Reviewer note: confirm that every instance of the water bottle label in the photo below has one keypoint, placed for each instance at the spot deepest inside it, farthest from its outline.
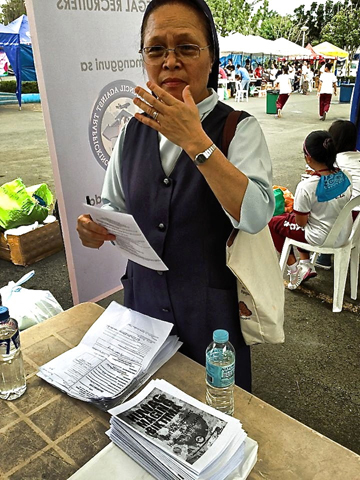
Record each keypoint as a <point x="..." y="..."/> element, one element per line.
<point x="8" y="344"/>
<point x="220" y="376"/>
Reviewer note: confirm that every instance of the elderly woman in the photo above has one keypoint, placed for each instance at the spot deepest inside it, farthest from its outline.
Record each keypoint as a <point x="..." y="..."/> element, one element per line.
<point x="168" y="171"/>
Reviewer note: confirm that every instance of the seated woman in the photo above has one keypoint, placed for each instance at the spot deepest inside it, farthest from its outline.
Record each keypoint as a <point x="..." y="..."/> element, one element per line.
<point x="318" y="201"/>
<point x="344" y="135"/>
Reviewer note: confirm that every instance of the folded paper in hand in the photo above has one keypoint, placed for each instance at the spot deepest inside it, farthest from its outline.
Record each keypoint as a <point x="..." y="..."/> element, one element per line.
<point x="130" y="240"/>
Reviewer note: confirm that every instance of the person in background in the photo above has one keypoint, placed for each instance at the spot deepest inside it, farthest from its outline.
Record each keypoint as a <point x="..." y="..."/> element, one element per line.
<point x="229" y="68"/>
<point x="318" y="201"/>
<point x="258" y="74"/>
<point x="310" y="76"/>
<point x="222" y="73"/>
<point x="344" y="135"/>
<point x="168" y="171"/>
<point x="291" y="74"/>
<point x="327" y="86"/>
<point x="316" y="79"/>
<point x="245" y="78"/>
<point x="230" y="71"/>
<point x="304" y="85"/>
<point x="273" y="73"/>
<point x="296" y="85"/>
<point x="284" y="84"/>
<point x="248" y="65"/>
<point x="305" y="80"/>
<point x="258" y="71"/>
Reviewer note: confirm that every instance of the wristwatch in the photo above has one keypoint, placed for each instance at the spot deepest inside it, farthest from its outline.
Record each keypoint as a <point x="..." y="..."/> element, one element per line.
<point x="201" y="158"/>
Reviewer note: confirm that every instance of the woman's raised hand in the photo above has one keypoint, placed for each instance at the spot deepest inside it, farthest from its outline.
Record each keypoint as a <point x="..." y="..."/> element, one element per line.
<point x="91" y="234"/>
<point x="178" y="121"/>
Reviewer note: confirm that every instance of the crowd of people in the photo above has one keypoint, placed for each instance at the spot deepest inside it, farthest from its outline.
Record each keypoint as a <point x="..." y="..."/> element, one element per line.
<point x="288" y="77"/>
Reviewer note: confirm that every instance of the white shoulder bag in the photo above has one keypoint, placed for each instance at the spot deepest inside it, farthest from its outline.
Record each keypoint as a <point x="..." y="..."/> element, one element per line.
<point x="253" y="260"/>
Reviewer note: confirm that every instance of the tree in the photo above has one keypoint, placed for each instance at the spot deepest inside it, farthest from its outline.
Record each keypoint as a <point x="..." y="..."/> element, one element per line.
<point x="11" y="10"/>
<point x="277" y="26"/>
<point x="259" y="16"/>
<point x="343" y="30"/>
<point x="317" y="16"/>
<point x="231" y="15"/>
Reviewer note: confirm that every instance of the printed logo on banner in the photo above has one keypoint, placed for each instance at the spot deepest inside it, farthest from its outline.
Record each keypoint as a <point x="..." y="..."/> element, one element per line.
<point x="113" y="109"/>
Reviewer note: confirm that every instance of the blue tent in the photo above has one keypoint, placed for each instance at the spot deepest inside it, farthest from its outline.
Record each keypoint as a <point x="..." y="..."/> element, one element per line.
<point x="355" y="107"/>
<point x="16" y="42"/>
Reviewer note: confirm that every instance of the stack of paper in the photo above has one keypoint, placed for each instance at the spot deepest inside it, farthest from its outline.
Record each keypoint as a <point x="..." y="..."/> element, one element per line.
<point x="174" y="436"/>
<point x="121" y="350"/>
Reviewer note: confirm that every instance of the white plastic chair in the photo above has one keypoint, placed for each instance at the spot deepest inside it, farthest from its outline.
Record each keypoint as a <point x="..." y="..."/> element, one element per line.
<point x="240" y="94"/>
<point x="342" y="255"/>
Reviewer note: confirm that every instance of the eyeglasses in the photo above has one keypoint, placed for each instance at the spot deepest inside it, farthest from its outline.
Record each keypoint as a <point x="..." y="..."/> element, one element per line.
<point x="155" y="55"/>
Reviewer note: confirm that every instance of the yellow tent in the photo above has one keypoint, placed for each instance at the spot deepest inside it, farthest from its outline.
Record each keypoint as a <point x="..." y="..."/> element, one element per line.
<point x="329" y="50"/>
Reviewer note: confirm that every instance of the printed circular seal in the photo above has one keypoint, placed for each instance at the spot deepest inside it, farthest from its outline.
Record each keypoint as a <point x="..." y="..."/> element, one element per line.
<point x="112" y="110"/>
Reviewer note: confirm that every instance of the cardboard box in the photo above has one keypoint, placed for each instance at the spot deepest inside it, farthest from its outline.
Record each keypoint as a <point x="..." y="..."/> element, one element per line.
<point x="32" y="246"/>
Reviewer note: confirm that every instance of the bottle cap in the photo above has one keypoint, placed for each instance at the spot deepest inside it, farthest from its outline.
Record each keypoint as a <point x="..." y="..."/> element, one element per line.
<point x="4" y="313"/>
<point x="220" y="336"/>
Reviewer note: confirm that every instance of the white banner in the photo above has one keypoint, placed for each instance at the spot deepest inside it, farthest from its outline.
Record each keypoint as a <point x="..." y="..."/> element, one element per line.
<point x="87" y="63"/>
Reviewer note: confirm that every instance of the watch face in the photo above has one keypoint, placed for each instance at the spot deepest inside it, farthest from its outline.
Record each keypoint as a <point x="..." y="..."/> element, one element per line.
<point x="200" y="158"/>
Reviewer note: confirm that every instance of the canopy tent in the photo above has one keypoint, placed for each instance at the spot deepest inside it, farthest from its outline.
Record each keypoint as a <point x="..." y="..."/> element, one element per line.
<point x="253" y="44"/>
<point x="16" y="42"/>
<point x="231" y="44"/>
<point x="329" y="50"/>
<point x="313" y="54"/>
<point x="282" y="46"/>
<point x="250" y="44"/>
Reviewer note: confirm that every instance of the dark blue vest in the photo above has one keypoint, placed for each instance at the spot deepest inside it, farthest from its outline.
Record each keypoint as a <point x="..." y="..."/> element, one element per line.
<point x="185" y="224"/>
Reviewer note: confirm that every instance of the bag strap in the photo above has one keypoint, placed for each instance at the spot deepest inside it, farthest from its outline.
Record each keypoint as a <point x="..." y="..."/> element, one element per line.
<point x="232" y="121"/>
<point x="234" y="117"/>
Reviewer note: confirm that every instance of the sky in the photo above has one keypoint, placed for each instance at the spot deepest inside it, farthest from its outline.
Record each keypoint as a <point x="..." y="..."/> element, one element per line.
<point x="285" y="7"/>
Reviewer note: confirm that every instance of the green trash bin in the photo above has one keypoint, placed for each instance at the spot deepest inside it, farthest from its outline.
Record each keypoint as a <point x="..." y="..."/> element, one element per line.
<point x="271" y="97"/>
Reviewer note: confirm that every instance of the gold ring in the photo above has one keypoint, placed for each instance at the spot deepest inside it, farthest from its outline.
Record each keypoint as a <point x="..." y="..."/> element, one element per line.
<point x="155" y="115"/>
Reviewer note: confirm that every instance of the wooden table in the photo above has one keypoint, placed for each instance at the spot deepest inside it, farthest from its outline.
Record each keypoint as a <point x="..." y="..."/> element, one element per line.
<point x="47" y="435"/>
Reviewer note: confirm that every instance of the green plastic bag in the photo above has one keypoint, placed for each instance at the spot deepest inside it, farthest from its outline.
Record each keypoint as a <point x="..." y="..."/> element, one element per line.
<point x="42" y="194"/>
<point x="19" y="207"/>
<point x="279" y="202"/>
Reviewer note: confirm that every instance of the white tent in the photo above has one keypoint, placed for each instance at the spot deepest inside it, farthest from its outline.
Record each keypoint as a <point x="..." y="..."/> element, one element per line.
<point x="284" y="47"/>
<point x="238" y="43"/>
<point x="231" y="44"/>
<point x="253" y="44"/>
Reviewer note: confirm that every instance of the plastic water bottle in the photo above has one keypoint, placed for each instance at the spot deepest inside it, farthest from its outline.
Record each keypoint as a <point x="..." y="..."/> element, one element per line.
<point x="220" y="373"/>
<point x="12" y="374"/>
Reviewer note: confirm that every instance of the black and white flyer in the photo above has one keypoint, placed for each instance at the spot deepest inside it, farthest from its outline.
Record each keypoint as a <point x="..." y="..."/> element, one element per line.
<point x="173" y="435"/>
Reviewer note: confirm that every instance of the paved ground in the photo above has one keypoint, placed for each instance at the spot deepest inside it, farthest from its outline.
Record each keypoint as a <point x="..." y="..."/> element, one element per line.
<point x="314" y="376"/>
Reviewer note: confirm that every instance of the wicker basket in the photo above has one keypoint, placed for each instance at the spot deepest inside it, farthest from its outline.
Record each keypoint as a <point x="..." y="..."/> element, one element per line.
<point x="32" y="246"/>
